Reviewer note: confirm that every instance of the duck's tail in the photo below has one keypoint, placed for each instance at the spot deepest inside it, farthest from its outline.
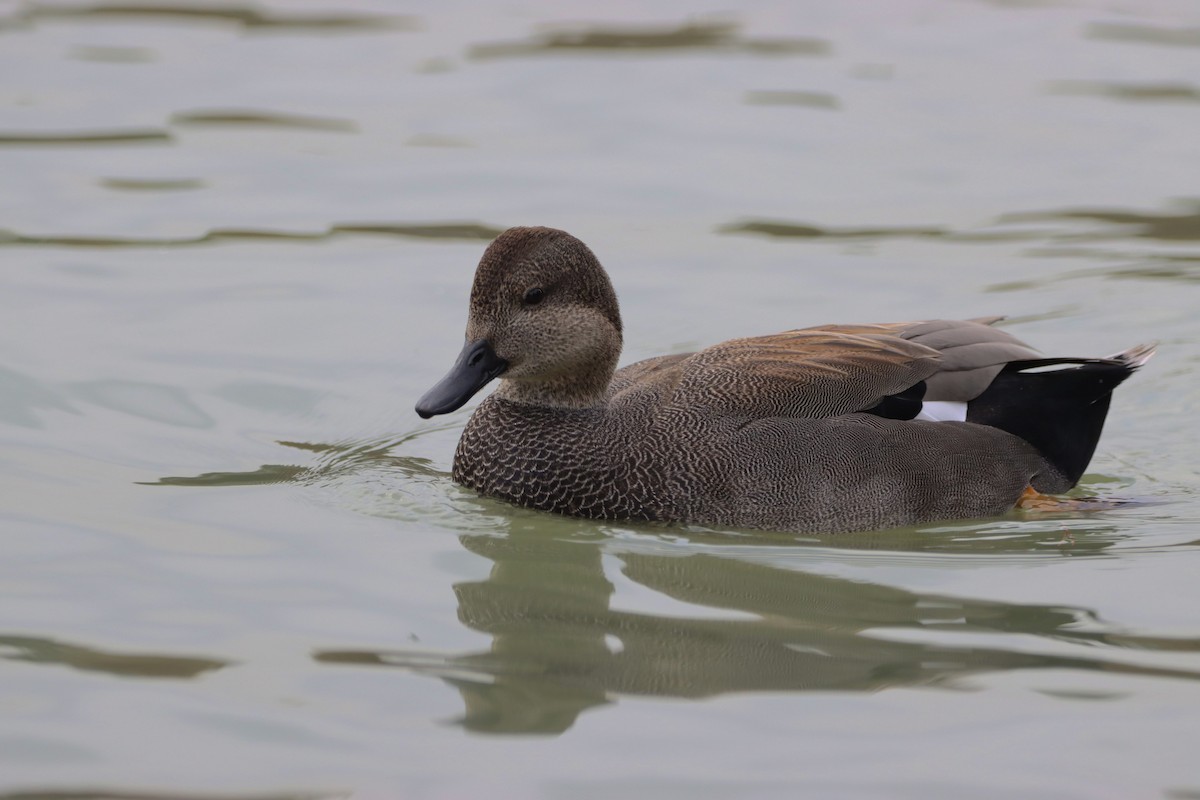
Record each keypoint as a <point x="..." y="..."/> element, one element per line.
<point x="1058" y="405"/>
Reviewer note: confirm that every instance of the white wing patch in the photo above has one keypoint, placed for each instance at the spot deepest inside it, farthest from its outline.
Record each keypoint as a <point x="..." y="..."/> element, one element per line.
<point x="943" y="411"/>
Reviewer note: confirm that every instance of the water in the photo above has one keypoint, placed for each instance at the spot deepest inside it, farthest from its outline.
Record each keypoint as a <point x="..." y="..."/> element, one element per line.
<point x="237" y="245"/>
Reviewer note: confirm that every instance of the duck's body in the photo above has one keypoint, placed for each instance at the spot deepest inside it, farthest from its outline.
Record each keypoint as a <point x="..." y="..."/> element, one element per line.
<point x="851" y="472"/>
<point x="809" y="430"/>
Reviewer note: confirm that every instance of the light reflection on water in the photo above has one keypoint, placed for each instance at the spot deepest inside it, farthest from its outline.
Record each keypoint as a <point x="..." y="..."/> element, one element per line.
<point x="237" y="244"/>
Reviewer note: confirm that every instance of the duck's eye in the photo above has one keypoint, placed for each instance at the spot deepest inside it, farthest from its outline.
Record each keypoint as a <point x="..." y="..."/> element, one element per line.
<point x="534" y="296"/>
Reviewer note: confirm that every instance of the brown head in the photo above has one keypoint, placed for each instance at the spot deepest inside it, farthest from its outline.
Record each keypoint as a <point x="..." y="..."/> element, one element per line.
<point x="544" y="317"/>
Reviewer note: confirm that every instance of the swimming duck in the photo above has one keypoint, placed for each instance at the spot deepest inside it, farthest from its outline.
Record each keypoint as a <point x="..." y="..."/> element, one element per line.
<point x="821" y="430"/>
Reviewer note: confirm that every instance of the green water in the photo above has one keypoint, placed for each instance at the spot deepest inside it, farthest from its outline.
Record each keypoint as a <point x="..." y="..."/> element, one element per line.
<point x="235" y="247"/>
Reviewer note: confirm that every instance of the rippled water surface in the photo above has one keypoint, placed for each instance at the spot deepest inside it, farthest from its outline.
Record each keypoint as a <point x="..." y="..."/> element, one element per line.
<point x="235" y="247"/>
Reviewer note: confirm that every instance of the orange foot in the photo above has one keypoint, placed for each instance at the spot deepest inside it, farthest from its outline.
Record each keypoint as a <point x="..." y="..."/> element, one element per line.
<point x="1033" y="500"/>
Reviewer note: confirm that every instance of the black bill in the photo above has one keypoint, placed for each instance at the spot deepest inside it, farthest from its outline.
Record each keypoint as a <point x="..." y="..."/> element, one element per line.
<point x="476" y="365"/>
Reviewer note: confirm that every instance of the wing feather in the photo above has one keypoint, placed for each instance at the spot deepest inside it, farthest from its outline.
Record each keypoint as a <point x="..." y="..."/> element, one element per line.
<point x="973" y="353"/>
<point x="827" y="370"/>
<point x="802" y="373"/>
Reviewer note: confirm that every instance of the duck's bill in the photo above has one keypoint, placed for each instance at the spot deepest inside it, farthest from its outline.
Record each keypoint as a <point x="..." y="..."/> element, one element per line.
<point x="477" y="364"/>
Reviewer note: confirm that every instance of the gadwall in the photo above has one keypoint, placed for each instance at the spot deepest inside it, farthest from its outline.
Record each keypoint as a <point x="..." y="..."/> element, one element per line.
<point x="825" y="429"/>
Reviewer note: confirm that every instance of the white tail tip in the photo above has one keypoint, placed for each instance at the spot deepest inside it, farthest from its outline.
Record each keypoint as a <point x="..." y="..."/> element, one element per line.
<point x="1137" y="355"/>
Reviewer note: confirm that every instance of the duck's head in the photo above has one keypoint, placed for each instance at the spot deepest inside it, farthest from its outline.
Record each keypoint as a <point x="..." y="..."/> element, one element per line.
<point x="543" y="317"/>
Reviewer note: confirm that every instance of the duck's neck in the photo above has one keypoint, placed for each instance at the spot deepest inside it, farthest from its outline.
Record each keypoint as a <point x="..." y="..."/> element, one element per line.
<point x="577" y="390"/>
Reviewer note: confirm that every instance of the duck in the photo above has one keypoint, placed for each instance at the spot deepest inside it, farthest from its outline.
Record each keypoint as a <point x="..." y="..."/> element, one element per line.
<point x="820" y="430"/>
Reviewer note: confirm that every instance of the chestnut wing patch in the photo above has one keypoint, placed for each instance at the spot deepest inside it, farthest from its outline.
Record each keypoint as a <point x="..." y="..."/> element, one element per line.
<point x="815" y="372"/>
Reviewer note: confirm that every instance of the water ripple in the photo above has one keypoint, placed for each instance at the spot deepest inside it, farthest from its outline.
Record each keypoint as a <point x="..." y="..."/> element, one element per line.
<point x="243" y="16"/>
<point x="98" y="793"/>
<point x="59" y="138"/>
<point x="1129" y="92"/>
<point x="719" y="35"/>
<point x="459" y="231"/>
<point x="151" y="184"/>
<point x="821" y="100"/>
<point x="261" y="119"/>
<point x="1181" y="225"/>
<point x="1144" y="34"/>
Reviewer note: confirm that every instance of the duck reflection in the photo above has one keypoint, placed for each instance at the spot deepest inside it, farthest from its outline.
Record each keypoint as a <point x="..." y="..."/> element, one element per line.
<point x="41" y="650"/>
<point x="559" y="648"/>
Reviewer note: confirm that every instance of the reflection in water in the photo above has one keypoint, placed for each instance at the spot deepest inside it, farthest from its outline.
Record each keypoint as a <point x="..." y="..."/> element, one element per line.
<point x="558" y="648"/>
<point x="151" y="184"/>
<point x="1023" y="4"/>
<point x="457" y="231"/>
<point x="1099" y="254"/>
<point x="121" y="794"/>
<point x="721" y="35"/>
<point x="1167" y="227"/>
<point x="1183" y="267"/>
<point x="264" y="475"/>
<point x="37" y="650"/>
<point x="243" y="118"/>
<point x="123" y="136"/>
<point x="1052" y="227"/>
<point x="113" y="55"/>
<point x="792" y="230"/>
<point x="470" y="231"/>
<point x="1156" y="273"/>
<point x="1018" y="534"/>
<point x="247" y="16"/>
<point x="1135" y="92"/>
<point x="1182" y="225"/>
<point x="435" y="140"/>
<point x="1144" y="34"/>
<point x="1179" y="227"/>
<point x="262" y="119"/>
<point x="785" y="98"/>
